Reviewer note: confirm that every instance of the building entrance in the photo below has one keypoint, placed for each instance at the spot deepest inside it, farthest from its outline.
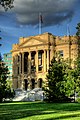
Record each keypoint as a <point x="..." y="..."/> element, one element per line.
<point x="26" y="84"/>
<point x="40" y="82"/>
<point x="32" y="83"/>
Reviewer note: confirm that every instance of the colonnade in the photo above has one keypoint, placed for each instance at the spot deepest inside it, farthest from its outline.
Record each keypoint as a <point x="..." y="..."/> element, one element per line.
<point x="23" y="61"/>
<point x="45" y="61"/>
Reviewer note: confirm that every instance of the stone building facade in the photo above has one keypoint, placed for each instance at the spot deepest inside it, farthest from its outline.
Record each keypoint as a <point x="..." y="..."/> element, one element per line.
<point x="32" y="56"/>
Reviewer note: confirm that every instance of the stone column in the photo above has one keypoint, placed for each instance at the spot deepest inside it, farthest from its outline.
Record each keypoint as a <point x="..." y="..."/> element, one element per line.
<point x="36" y="61"/>
<point x="29" y="62"/>
<point x="19" y="63"/>
<point x="15" y="67"/>
<point x="22" y="84"/>
<point x="22" y="63"/>
<point x="44" y="60"/>
<point x="47" y="60"/>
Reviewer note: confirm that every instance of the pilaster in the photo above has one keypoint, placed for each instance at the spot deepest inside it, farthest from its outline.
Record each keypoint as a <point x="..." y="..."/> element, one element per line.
<point x="29" y="61"/>
<point x="23" y="63"/>
<point x="48" y="59"/>
<point x="44" y="60"/>
<point x="36" y="61"/>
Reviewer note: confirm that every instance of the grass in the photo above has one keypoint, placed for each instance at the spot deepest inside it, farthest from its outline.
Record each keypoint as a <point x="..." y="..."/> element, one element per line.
<point x="39" y="111"/>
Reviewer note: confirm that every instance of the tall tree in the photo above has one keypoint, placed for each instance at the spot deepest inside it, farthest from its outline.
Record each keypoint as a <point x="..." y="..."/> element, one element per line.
<point x="55" y="77"/>
<point x="5" y="90"/>
<point x="63" y="81"/>
<point x="77" y="76"/>
<point x="78" y="38"/>
<point x="77" y="64"/>
<point x="71" y="82"/>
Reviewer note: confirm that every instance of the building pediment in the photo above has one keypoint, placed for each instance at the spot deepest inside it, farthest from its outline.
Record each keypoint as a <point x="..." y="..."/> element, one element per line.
<point x="33" y="41"/>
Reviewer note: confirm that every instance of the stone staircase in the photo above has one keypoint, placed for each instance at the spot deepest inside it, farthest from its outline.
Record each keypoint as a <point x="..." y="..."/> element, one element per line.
<point x="30" y="95"/>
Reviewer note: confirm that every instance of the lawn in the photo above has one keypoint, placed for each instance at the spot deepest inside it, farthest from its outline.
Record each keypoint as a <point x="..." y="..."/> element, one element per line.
<point x="39" y="111"/>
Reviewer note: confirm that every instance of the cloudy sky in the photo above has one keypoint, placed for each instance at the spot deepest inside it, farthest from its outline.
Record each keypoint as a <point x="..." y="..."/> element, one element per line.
<point x="23" y="20"/>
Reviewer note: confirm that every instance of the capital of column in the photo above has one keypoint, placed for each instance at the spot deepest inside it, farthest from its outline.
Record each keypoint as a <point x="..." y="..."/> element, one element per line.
<point x="29" y="54"/>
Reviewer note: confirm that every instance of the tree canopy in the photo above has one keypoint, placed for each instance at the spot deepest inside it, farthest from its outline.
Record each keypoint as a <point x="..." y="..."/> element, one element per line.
<point x="55" y="77"/>
<point x="6" y="4"/>
<point x="5" y="90"/>
<point x="62" y="81"/>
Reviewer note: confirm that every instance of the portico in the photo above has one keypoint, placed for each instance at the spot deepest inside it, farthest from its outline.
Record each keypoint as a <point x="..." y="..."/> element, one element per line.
<point x="30" y="63"/>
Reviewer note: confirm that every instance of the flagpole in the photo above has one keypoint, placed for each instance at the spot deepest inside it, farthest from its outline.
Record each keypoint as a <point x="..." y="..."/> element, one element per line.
<point x="68" y="30"/>
<point x="40" y="23"/>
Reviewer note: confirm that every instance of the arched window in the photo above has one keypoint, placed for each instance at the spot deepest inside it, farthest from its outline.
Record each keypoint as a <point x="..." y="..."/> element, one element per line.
<point x="26" y="84"/>
<point x="16" y="83"/>
<point x="32" y="83"/>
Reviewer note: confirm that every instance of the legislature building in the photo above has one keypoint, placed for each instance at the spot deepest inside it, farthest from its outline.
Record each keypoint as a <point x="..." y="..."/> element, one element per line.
<point x="32" y="56"/>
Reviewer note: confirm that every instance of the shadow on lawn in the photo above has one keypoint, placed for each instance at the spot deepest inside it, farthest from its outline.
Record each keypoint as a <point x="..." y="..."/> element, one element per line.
<point x="64" y="117"/>
<point x="9" y="111"/>
<point x="22" y="114"/>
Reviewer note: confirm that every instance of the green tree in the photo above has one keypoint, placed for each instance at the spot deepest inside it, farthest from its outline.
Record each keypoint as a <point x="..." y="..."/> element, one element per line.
<point x="5" y="90"/>
<point x="77" y="75"/>
<point x="77" y="63"/>
<point x="71" y="83"/>
<point x="54" y="89"/>
<point x="63" y="81"/>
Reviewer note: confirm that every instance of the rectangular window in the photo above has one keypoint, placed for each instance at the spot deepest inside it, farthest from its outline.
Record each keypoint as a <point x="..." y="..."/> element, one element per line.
<point x="18" y="70"/>
<point x="25" y="62"/>
<point x="40" y="68"/>
<point x="33" y="68"/>
<point x="18" y="58"/>
<point x="61" y="53"/>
